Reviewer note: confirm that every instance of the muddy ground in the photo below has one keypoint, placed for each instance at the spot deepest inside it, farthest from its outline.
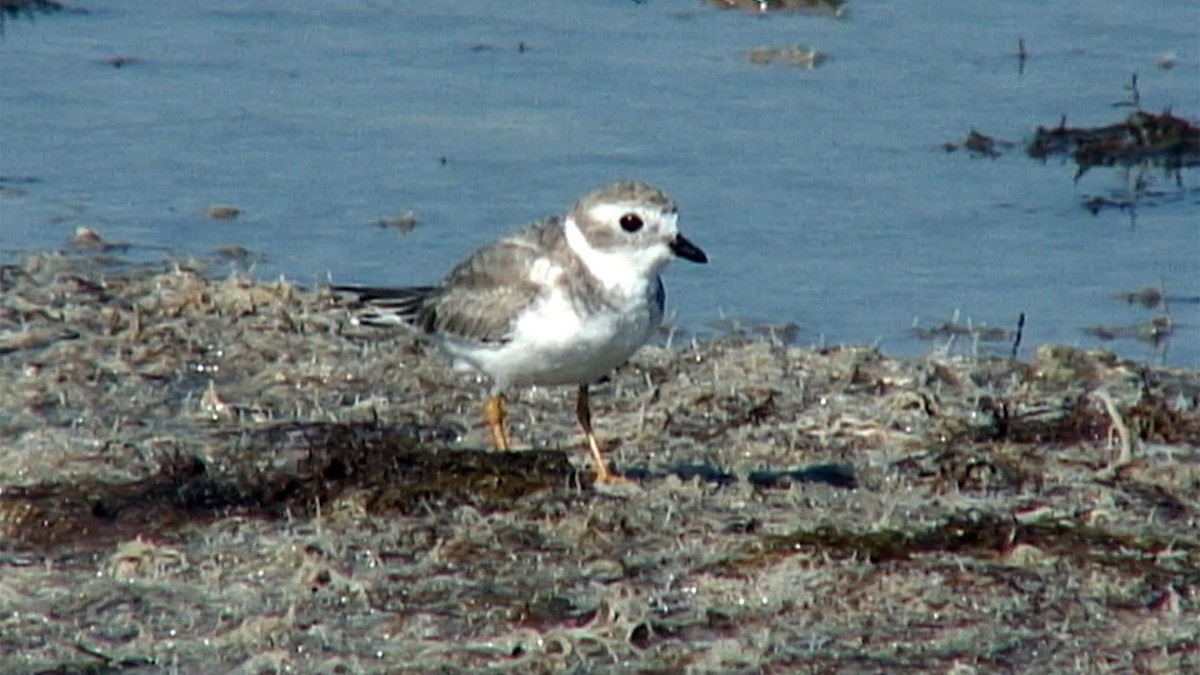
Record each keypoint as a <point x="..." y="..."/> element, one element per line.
<point x="215" y="474"/>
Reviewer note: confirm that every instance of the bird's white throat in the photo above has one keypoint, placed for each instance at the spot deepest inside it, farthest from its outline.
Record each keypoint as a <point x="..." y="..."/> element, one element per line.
<point x="625" y="270"/>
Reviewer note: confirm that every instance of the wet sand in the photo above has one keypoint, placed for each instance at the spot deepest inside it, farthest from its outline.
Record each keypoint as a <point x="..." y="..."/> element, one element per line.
<point x="208" y="473"/>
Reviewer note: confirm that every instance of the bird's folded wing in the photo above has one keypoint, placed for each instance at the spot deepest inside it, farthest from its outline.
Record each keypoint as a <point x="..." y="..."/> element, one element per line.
<point x="482" y="298"/>
<point x="479" y="301"/>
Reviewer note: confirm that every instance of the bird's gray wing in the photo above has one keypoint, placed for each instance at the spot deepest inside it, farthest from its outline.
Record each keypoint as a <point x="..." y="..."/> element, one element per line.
<point x="482" y="297"/>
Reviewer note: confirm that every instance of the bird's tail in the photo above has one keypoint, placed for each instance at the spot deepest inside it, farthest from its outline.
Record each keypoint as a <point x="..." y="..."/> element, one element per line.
<point x="377" y="306"/>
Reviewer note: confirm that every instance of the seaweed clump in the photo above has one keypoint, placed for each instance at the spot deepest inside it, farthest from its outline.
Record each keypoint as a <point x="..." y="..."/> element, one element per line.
<point x="26" y="9"/>
<point x="1143" y="138"/>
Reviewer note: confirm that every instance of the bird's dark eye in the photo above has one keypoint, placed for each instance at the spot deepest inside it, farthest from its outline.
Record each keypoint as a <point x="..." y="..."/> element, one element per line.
<point x="631" y="222"/>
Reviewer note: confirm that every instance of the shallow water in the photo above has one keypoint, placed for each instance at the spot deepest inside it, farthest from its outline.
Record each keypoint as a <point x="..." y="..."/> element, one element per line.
<point x="822" y="196"/>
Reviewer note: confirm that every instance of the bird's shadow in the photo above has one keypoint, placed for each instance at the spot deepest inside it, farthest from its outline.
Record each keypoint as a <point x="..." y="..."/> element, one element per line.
<point x="833" y="475"/>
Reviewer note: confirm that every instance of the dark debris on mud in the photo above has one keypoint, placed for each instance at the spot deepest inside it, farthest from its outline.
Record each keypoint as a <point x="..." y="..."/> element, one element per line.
<point x="217" y="473"/>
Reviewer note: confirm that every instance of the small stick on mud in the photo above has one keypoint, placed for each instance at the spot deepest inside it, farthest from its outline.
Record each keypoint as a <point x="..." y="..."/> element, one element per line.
<point x="1125" y="458"/>
<point x="1135" y="98"/>
<point x="1020" y="332"/>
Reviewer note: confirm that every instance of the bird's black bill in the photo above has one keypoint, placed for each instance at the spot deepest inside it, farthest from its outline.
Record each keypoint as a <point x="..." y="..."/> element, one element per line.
<point x="687" y="250"/>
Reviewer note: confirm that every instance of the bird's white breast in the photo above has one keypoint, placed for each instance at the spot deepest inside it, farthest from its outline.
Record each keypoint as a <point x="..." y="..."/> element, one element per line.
<point x="553" y="343"/>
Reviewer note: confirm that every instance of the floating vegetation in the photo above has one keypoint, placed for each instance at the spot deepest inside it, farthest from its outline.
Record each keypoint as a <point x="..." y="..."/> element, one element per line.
<point x="222" y="212"/>
<point x="980" y="144"/>
<point x="832" y="8"/>
<point x="1161" y="140"/>
<point x="1143" y="139"/>
<point x="956" y="331"/>
<point x="13" y="9"/>
<point x="403" y="223"/>
<point x="777" y="332"/>
<point x="1154" y="331"/>
<point x="1140" y="142"/>
<point x="951" y="329"/>
<point x="8" y="184"/>
<point x="796" y="56"/>
<point x="87" y="240"/>
<point x="1150" y="297"/>
<point x="520" y="47"/>
<point x="120" y="61"/>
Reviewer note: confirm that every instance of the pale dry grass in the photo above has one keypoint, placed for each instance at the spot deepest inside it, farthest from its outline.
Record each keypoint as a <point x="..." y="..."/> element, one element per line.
<point x="219" y="475"/>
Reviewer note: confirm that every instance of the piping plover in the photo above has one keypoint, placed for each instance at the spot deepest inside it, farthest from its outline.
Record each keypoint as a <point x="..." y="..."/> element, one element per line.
<point x="563" y="301"/>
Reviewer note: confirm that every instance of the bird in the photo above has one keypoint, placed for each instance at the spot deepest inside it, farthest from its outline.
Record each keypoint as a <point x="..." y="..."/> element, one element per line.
<point x="563" y="301"/>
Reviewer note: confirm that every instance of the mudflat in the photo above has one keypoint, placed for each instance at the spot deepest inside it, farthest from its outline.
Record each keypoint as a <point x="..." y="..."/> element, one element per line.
<point x="205" y="472"/>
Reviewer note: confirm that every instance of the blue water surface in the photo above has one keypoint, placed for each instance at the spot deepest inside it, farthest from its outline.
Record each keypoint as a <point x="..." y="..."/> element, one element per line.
<point x="823" y="197"/>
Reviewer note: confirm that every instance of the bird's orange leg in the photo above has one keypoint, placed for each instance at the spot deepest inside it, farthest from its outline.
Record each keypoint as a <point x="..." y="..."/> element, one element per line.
<point x="583" y="412"/>
<point x="494" y="415"/>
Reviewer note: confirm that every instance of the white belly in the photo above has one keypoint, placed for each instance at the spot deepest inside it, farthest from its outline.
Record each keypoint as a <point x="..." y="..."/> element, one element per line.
<point x="553" y="345"/>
